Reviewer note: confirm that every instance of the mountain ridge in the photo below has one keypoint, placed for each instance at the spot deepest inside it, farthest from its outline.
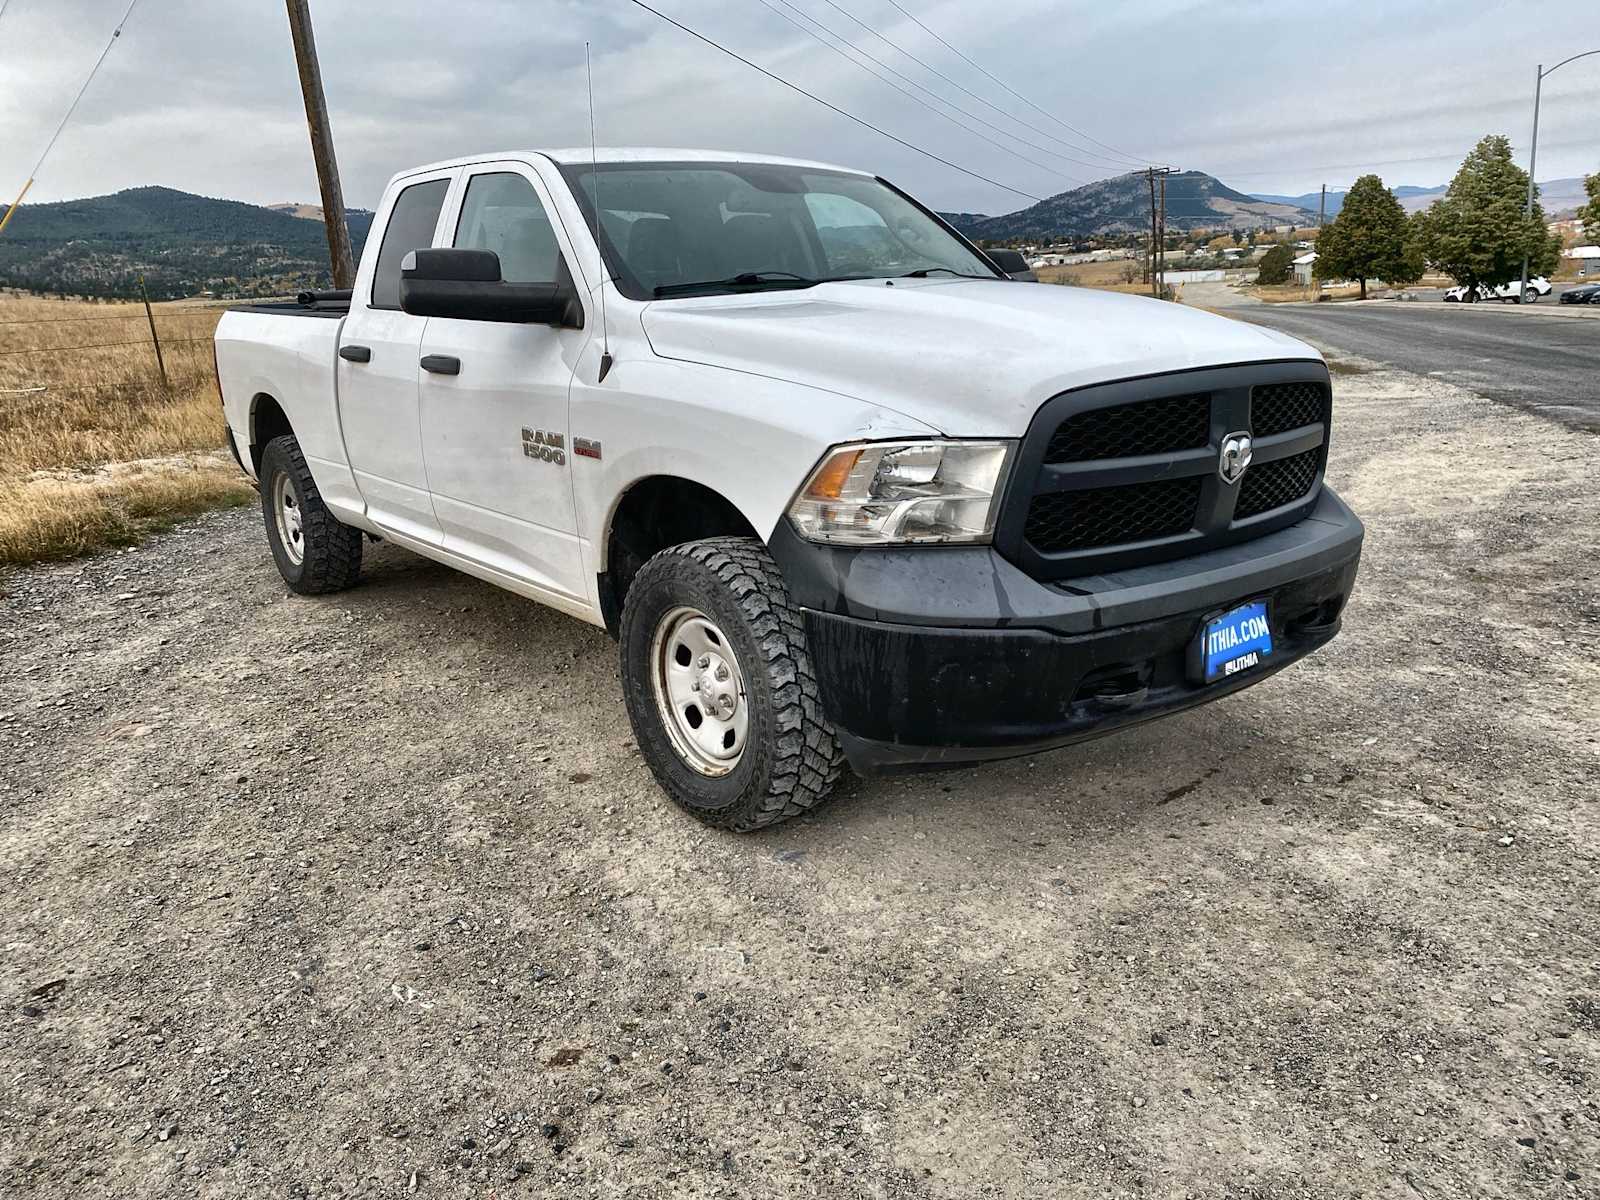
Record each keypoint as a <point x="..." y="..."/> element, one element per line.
<point x="1121" y="205"/>
<point x="180" y="242"/>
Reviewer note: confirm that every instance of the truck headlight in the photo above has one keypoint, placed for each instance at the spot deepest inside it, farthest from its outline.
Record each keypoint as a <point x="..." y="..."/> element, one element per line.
<point x="878" y="493"/>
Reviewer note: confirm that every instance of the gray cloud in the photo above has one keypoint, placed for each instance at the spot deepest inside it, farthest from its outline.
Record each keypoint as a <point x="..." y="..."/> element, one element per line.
<point x="203" y="95"/>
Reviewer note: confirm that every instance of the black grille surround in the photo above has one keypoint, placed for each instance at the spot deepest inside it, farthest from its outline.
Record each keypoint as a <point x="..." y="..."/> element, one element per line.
<point x="1072" y="509"/>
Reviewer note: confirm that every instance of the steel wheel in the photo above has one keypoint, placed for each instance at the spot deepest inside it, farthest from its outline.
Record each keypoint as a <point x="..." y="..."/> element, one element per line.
<point x="699" y="691"/>
<point x="291" y="521"/>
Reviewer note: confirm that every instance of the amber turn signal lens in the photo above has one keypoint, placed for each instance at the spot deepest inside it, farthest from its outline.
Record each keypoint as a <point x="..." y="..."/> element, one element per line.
<point x="828" y="483"/>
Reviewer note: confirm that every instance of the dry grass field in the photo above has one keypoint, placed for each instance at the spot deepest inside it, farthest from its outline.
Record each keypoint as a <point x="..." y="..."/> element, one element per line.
<point x="1107" y="276"/>
<point x="93" y="450"/>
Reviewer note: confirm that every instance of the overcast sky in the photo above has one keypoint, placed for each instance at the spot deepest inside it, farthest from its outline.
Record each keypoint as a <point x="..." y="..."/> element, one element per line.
<point x="202" y="94"/>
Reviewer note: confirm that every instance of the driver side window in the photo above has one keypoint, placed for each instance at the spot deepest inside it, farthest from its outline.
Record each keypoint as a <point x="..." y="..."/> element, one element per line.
<point x="501" y="212"/>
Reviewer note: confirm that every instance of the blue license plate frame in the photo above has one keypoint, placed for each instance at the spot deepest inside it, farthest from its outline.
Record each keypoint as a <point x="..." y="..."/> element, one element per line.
<point x="1233" y="642"/>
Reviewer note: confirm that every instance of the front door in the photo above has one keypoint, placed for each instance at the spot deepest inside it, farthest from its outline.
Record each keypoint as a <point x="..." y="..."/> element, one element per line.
<point x="377" y="373"/>
<point x="494" y="433"/>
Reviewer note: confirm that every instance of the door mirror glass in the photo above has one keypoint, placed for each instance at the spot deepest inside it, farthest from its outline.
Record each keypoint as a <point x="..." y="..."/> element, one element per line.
<point x="466" y="285"/>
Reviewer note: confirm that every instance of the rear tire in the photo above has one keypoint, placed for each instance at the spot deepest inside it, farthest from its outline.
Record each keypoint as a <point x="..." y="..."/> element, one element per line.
<point x="720" y="689"/>
<point x="316" y="553"/>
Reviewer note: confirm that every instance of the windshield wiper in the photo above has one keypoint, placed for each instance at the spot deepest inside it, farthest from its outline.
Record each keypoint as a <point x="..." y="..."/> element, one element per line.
<point x="924" y="272"/>
<point x="745" y="279"/>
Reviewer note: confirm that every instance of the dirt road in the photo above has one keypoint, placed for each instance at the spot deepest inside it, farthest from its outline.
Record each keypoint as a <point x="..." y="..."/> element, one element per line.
<point x="372" y="895"/>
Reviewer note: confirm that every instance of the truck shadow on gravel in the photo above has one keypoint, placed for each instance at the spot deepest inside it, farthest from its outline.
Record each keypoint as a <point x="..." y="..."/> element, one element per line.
<point x="1068" y="792"/>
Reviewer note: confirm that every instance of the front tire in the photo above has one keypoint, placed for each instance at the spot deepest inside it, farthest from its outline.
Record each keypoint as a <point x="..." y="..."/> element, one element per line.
<point x="720" y="689"/>
<point x="316" y="553"/>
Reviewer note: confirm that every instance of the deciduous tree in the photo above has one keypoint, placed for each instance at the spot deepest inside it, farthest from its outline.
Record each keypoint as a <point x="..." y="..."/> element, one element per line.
<point x="1478" y="233"/>
<point x="1369" y="239"/>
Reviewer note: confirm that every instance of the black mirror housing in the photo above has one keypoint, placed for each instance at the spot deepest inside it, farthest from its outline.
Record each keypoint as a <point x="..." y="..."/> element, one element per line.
<point x="466" y="285"/>
<point x="1013" y="263"/>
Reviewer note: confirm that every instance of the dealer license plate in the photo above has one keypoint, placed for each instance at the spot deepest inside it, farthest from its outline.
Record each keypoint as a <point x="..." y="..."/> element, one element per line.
<point x="1238" y="640"/>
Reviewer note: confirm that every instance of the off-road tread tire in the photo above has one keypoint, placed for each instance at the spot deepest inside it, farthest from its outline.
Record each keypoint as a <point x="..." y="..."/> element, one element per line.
<point x="796" y="763"/>
<point x="332" y="560"/>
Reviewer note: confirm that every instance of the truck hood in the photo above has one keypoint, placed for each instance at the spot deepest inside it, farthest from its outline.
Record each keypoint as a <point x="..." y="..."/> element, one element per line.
<point x="969" y="357"/>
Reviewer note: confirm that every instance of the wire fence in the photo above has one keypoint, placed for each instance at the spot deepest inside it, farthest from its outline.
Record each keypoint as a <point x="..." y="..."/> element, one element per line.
<point x="79" y="365"/>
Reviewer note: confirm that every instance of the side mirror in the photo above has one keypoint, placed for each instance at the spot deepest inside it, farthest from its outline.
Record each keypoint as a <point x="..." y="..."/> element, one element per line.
<point x="1014" y="264"/>
<point x="466" y="285"/>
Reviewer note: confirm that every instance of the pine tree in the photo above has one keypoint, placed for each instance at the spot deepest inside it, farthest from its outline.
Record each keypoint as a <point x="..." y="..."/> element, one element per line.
<point x="1369" y="239"/>
<point x="1589" y="214"/>
<point x="1478" y="233"/>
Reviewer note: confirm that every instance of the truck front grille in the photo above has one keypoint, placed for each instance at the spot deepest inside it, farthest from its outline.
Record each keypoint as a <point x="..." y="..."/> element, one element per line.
<point x="1125" y="474"/>
<point x="1129" y="430"/>
<point x="1273" y="484"/>
<point x="1279" y="407"/>
<point x="1080" y="520"/>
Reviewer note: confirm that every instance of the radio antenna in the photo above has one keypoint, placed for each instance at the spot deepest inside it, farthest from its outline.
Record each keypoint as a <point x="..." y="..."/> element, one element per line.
<point x="594" y="162"/>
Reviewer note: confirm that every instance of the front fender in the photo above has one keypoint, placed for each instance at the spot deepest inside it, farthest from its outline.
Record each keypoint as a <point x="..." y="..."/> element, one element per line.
<point x="748" y="438"/>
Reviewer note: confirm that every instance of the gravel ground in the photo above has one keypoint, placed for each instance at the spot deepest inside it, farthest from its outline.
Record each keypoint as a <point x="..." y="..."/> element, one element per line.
<point x="372" y="895"/>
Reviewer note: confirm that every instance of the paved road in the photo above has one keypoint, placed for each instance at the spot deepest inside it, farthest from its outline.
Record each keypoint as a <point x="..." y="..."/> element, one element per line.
<point x="1545" y="362"/>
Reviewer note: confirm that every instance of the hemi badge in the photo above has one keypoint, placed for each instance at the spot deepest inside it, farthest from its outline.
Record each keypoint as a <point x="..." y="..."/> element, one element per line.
<point x="585" y="448"/>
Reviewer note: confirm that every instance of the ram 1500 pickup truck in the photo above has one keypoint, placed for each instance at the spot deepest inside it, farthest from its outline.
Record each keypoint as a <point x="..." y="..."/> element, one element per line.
<point x="843" y="491"/>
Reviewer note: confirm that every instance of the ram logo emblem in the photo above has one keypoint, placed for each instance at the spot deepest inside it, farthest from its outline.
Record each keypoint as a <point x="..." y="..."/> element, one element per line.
<point x="1235" y="457"/>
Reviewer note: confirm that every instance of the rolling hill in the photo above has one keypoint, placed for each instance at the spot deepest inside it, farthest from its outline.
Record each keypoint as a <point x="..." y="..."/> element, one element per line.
<point x="1195" y="200"/>
<point x="181" y="243"/>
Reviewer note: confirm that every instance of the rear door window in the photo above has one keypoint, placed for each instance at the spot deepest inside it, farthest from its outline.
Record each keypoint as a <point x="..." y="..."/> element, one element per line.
<point x="411" y="225"/>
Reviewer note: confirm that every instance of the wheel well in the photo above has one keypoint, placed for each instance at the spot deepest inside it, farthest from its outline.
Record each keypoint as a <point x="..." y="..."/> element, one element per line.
<point x="661" y="511"/>
<point x="267" y="421"/>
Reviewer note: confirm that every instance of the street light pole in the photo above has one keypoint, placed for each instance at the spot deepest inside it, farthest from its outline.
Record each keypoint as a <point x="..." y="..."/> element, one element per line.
<point x="1533" y="149"/>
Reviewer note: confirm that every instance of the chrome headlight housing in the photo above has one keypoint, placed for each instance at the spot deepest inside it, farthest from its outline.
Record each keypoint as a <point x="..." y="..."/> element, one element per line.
<point x="898" y="493"/>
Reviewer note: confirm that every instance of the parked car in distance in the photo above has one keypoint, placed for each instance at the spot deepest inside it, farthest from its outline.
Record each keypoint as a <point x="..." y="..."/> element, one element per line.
<point x="1588" y="293"/>
<point x="1506" y="293"/>
<point x="841" y="493"/>
<point x="1014" y="263"/>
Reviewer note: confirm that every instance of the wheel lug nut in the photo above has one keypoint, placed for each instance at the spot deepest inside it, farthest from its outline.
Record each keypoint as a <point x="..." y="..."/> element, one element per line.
<point x="705" y="661"/>
<point x="722" y="672"/>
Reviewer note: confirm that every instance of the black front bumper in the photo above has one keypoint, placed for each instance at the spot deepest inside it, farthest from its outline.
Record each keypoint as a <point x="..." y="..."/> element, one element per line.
<point x="939" y="656"/>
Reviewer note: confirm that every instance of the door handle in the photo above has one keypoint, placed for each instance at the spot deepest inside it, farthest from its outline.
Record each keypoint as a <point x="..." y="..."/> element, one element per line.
<point x="441" y="364"/>
<point x="356" y="353"/>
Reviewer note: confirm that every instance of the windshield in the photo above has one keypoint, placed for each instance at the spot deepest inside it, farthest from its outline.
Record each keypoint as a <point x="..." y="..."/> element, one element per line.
<point x="676" y="229"/>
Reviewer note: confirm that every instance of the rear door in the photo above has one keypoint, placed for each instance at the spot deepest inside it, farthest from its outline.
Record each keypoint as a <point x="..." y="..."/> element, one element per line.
<point x="494" y="433"/>
<point x="378" y="368"/>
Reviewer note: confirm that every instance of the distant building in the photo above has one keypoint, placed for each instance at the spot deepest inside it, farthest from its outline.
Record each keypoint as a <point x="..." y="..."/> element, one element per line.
<point x="1587" y="258"/>
<point x="1303" y="268"/>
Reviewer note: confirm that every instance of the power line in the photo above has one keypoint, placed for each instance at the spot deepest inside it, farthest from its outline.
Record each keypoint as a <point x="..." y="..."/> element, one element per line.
<point x="1119" y="163"/>
<point x="54" y="137"/>
<point x="841" y="52"/>
<point x="1001" y="83"/>
<point x="794" y="87"/>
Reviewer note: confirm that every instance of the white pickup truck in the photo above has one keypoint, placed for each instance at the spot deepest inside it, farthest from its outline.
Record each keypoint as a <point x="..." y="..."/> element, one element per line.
<point x="843" y="491"/>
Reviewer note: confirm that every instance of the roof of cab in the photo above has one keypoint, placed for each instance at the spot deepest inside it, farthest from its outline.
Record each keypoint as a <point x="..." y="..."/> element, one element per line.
<point x="577" y="155"/>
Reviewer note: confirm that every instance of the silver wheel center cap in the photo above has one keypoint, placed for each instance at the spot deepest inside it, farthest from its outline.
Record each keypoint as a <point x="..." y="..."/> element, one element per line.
<point x="715" y="684"/>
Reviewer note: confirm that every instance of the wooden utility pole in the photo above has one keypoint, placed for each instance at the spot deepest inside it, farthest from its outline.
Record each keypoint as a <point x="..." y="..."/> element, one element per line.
<point x="1161" y="224"/>
<point x="1150" y="177"/>
<point x="1322" y="206"/>
<point x="305" y="54"/>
